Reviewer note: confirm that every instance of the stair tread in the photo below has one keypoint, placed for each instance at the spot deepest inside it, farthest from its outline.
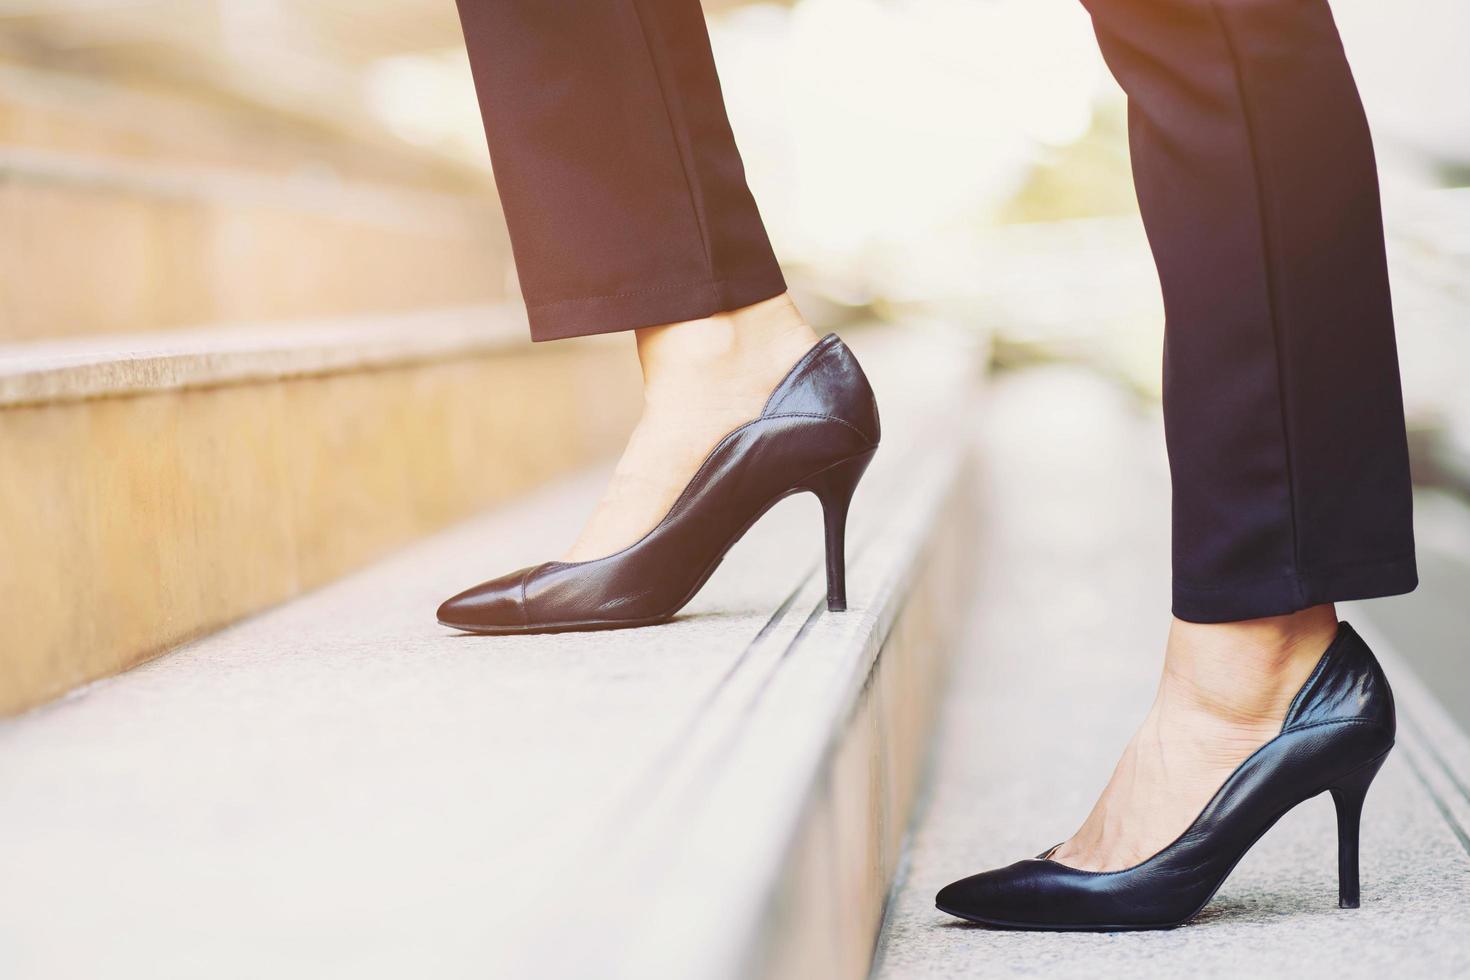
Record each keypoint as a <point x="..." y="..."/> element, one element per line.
<point x="171" y="245"/>
<point x="44" y="108"/>
<point x="245" y="465"/>
<point x="344" y="775"/>
<point x="110" y="364"/>
<point x="1059" y="666"/>
<point x="362" y="200"/>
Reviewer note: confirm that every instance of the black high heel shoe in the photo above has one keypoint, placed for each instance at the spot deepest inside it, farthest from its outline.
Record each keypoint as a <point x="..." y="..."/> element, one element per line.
<point x="1337" y="732"/>
<point x="817" y="432"/>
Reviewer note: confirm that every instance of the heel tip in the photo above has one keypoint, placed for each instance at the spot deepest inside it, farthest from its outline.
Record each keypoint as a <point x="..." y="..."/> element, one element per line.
<point x="837" y="605"/>
<point x="1345" y="904"/>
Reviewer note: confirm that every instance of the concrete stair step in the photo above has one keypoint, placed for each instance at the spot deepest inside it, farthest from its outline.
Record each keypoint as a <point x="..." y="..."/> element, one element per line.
<point x="155" y="488"/>
<point x="113" y="115"/>
<point x="116" y="245"/>
<point x="361" y="792"/>
<point x="307" y="60"/>
<point x="1060" y="662"/>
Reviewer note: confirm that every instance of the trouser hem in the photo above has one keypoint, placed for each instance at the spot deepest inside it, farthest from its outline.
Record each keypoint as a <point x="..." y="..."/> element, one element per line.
<point x="1295" y="591"/>
<point x="560" y="319"/>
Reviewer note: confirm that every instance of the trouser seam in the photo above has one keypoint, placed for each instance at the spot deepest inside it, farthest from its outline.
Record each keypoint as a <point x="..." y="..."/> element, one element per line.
<point x="1273" y="286"/>
<point x="685" y="163"/>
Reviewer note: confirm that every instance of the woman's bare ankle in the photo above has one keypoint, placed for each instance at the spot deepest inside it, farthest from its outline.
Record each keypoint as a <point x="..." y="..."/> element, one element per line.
<point x="1246" y="671"/>
<point x="741" y="352"/>
<point x="1225" y="689"/>
<point x="701" y="379"/>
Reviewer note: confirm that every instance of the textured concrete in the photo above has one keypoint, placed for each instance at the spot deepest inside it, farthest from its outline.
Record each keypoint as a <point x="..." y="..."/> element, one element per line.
<point x="1064" y="652"/>
<point x="171" y="247"/>
<point x="107" y="366"/>
<point x="131" y="524"/>
<point x="115" y="114"/>
<point x="339" y="787"/>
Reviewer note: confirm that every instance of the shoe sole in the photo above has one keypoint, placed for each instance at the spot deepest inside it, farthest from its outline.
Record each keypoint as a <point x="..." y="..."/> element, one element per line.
<point x="1033" y="927"/>
<point x="588" y="627"/>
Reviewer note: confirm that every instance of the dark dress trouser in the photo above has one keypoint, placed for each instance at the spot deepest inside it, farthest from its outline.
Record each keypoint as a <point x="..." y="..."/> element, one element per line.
<point x="627" y="206"/>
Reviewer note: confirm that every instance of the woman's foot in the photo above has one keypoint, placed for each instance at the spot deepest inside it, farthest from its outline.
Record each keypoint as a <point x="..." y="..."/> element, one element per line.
<point x="1225" y="691"/>
<point x="701" y="379"/>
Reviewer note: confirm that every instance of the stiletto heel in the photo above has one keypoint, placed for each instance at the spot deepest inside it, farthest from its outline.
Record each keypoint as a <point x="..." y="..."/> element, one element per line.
<point x="1335" y="736"/>
<point x="816" y="432"/>
<point x="834" y="487"/>
<point x="1348" y="794"/>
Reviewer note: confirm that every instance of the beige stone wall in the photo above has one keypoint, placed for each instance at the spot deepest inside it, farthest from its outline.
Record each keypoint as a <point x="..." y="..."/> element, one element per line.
<point x="132" y="524"/>
<point x="123" y="252"/>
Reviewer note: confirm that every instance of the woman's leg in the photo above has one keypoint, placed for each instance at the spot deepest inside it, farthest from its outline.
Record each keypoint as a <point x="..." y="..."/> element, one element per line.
<point x="627" y="207"/>
<point x="1257" y="183"/>
<point x="1258" y="188"/>
<point x="622" y="187"/>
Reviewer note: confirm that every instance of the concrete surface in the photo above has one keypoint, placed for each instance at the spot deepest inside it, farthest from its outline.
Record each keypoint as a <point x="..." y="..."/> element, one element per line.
<point x="235" y="470"/>
<point x="340" y="787"/>
<point x="110" y="365"/>
<point x="1066" y="640"/>
<point x="168" y="247"/>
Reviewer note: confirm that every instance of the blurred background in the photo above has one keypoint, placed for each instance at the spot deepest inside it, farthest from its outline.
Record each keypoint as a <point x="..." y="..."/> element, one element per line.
<point x="173" y="163"/>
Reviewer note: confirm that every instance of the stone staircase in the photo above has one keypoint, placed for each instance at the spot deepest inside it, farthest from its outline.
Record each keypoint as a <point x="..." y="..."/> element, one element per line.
<point x="1062" y="645"/>
<point x="118" y="247"/>
<point x="362" y="792"/>
<point x="140" y="211"/>
<point x="242" y="354"/>
<point x="265" y="399"/>
<point x="158" y="487"/>
<point x="251" y="369"/>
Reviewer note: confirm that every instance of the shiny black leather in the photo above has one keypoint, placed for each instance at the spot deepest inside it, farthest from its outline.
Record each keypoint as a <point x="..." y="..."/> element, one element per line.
<point x="1336" y="734"/>
<point x="817" y="432"/>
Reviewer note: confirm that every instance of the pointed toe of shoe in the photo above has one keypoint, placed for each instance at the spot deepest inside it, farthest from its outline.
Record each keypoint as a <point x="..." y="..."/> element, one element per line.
<point x="979" y="897"/>
<point x="1030" y="894"/>
<point x="494" y="606"/>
